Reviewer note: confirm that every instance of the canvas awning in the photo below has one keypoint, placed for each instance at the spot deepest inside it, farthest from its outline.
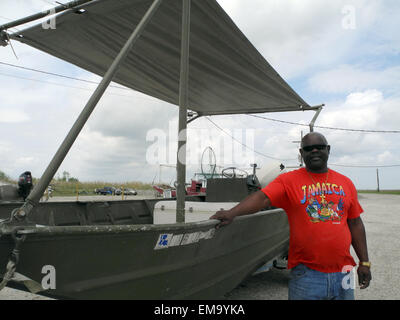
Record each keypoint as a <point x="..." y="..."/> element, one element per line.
<point x="227" y="74"/>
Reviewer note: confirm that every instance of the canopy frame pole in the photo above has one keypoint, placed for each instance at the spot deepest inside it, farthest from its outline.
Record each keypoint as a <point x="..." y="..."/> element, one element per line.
<point x="34" y="197"/>
<point x="183" y="106"/>
<point x="317" y="112"/>
<point x="43" y="14"/>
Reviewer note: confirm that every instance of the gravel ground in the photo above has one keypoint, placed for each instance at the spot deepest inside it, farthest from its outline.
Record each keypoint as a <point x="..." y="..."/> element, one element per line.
<point x="382" y="223"/>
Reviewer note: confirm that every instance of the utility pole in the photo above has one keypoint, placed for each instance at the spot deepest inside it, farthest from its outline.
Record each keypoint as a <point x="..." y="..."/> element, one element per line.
<point x="377" y="178"/>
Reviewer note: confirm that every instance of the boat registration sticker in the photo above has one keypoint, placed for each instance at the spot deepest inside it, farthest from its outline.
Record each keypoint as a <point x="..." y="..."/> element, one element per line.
<point x="166" y="240"/>
<point x="163" y="241"/>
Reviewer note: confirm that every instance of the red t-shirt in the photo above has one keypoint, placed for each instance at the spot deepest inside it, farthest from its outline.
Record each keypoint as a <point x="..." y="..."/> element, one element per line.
<point x="318" y="206"/>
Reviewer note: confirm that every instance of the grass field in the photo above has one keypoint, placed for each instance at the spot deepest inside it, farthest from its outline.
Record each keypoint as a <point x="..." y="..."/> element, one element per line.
<point x="63" y="188"/>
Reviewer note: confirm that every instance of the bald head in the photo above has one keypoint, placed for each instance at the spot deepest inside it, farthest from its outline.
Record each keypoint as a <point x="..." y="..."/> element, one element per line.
<point x="313" y="138"/>
<point x="315" y="152"/>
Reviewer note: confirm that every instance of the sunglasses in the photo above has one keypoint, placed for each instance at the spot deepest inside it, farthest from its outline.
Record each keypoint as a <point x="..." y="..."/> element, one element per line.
<point x="315" y="146"/>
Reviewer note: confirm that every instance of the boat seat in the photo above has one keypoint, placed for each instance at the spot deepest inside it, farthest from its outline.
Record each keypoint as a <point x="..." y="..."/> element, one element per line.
<point x="99" y="213"/>
<point x="118" y="213"/>
<point x="59" y="214"/>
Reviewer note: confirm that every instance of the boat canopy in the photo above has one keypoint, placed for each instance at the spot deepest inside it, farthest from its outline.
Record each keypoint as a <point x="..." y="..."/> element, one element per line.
<point x="227" y="75"/>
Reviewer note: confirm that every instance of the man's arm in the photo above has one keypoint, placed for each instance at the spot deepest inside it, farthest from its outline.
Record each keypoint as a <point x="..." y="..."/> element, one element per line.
<point x="251" y="204"/>
<point x="359" y="243"/>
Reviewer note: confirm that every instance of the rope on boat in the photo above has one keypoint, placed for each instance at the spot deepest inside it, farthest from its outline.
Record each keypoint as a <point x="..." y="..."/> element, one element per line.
<point x="14" y="258"/>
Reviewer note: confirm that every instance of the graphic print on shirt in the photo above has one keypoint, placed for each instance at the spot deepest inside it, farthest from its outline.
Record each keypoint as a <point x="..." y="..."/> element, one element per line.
<point x="321" y="209"/>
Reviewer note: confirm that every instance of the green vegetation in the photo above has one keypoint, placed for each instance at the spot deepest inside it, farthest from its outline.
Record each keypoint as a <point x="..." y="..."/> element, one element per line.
<point x="4" y="177"/>
<point x="68" y="186"/>
<point x="380" y="192"/>
<point x="64" y="188"/>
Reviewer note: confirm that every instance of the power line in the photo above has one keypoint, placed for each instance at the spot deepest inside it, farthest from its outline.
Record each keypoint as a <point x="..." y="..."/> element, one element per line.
<point x="262" y="154"/>
<point x="332" y="164"/>
<point x="57" y="84"/>
<point x="57" y="75"/>
<point x="323" y="127"/>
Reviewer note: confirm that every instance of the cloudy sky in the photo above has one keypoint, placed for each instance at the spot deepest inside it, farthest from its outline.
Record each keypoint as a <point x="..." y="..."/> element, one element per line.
<point x="343" y="53"/>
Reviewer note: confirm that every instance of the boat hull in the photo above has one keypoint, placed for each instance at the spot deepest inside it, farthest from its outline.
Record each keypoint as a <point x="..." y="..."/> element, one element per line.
<point x="178" y="261"/>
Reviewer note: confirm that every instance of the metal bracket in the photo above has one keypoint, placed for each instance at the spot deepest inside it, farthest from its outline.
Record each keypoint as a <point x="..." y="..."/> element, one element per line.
<point x="317" y="112"/>
<point x="3" y="38"/>
<point x="191" y="116"/>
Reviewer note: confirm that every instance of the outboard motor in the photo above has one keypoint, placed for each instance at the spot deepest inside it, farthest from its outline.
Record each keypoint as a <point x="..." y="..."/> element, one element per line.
<point x="253" y="184"/>
<point x="252" y="181"/>
<point x="25" y="184"/>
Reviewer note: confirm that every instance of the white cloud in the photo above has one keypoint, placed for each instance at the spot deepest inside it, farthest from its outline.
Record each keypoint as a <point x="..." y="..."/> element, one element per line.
<point x="299" y="36"/>
<point x="362" y="110"/>
<point x="25" y="161"/>
<point x="359" y="111"/>
<point x="363" y="99"/>
<point x="387" y="157"/>
<point x="348" y="78"/>
<point x="13" y="116"/>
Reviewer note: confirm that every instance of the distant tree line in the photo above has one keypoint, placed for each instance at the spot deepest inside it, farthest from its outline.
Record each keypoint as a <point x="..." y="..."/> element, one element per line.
<point x="4" y="177"/>
<point x="67" y="177"/>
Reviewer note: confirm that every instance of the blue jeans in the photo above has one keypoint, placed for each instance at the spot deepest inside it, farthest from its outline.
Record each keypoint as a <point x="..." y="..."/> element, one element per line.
<point x="308" y="284"/>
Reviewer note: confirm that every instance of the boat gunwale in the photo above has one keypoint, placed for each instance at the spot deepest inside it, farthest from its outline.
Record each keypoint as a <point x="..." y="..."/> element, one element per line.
<point x="42" y="230"/>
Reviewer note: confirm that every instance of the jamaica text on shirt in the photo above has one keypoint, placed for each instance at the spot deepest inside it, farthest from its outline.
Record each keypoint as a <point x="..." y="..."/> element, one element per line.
<point x="321" y="189"/>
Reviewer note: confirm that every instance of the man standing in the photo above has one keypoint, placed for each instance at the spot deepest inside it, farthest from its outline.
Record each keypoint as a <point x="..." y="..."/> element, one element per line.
<point x="324" y="218"/>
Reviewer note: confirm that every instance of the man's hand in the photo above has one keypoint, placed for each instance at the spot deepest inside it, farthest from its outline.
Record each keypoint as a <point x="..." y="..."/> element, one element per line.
<point x="224" y="216"/>
<point x="359" y="243"/>
<point x="364" y="276"/>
